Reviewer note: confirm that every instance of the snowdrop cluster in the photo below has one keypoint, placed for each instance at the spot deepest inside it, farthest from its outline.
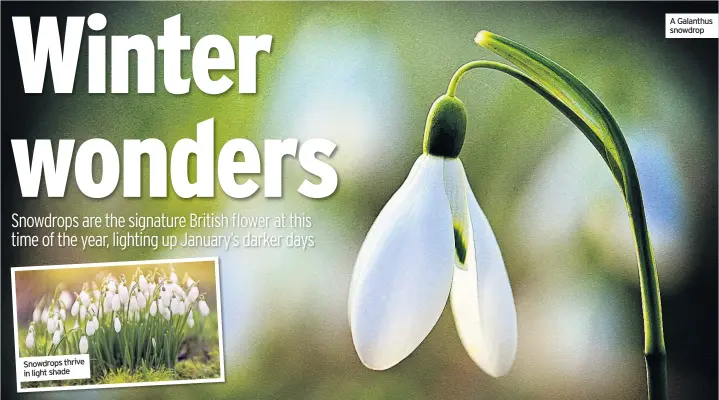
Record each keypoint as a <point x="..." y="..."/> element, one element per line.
<point x="120" y="321"/>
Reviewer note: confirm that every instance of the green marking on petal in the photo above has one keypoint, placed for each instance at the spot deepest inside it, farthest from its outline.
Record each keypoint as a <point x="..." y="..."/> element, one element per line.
<point x="460" y="245"/>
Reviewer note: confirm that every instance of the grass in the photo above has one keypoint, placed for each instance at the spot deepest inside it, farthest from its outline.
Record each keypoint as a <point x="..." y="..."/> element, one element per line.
<point x="200" y="366"/>
<point x="198" y="358"/>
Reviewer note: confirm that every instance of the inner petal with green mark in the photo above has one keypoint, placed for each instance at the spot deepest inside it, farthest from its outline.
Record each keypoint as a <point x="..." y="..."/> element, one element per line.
<point x="460" y="243"/>
<point x="456" y="191"/>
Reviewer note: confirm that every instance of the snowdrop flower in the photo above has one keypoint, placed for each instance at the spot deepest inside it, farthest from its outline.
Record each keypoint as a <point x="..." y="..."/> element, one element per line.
<point x="118" y="325"/>
<point x="141" y="300"/>
<point x="83" y="312"/>
<point x="432" y="236"/>
<point x="83" y="345"/>
<point x="51" y="324"/>
<point x="90" y="328"/>
<point x="153" y="308"/>
<point x="116" y="302"/>
<point x="112" y="286"/>
<point x="65" y="298"/>
<point x="173" y="275"/>
<point x="107" y="302"/>
<point x="92" y="308"/>
<point x="142" y="282"/>
<point x="36" y="315"/>
<point x="43" y="315"/>
<point x="204" y="309"/>
<point x="154" y="343"/>
<point x="75" y="308"/>
<point x="193" y="294"/>
<point x="189" y="282"/>
<point x="166" y="295"/>
<point x="63" y="314"/>
<point x="84" y="298"/>
<point x="181" y="307"/>
<point x="56" y="337"/>
<point x="190" y="321"/>
<point x="177" y="290"/>
<point x="133" y="304"/>
<point x="123" y="293"/>
<point x="165" y="313"/>
<point x="30" y="340"/>
<point x="175" y="306"/>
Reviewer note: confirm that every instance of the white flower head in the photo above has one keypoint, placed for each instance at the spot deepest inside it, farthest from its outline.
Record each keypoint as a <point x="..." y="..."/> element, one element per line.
<point x="43" y="315"/>
<point x="118" y="325"/>
<point x="173" y="275"/>
<point x="133" y="304"/>
<point x="189" y="282"/>
<point x="83" y="345"/>
<point x="153" y="308"/>
<point x="430" y="242"/>
<point x="111" y="285"/>
<point x="107" y="302"/>
<point x="90" y="328"/>
<point x="166" y="295"/>
<point x="63" y="314"/>
<point x="190" y="322"/>
<point x="83" y="312"/>
<point x="51" y="324"/>
<point x="175" y="306"/>
<point x="193" y="294"/>
<point x="142" y="282"/>
<point x="204" y="309"/>
<point x="84" y="298"/>
<point x="66" y="299"/>
<point x="30" y="340"/>
<point x="178" y="291"/>
<point x="56" y="337"/>
<point x="36" y="315"/>
<point x="116" y="302"/>
<point x="75" y="308"/>
<point x="141" y="300"/>
<point x="165" y="312"/>
<point x="123" y="293"/>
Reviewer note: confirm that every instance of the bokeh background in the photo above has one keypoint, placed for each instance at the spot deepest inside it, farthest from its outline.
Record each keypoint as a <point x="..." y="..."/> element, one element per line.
<point x="364" y="75"/>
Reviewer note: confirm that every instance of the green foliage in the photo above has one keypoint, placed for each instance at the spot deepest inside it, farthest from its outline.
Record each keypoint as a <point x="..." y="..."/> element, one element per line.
<point x="576" y="101"/>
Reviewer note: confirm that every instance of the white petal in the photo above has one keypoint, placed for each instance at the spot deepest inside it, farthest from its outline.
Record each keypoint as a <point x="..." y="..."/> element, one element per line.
<point x="481" y="298"/>
<point x="404" y="269"/>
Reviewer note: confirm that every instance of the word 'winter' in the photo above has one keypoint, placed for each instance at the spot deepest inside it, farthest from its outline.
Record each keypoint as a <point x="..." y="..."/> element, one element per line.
<point x="56" y="169"/>
<point x="64" y="58"/>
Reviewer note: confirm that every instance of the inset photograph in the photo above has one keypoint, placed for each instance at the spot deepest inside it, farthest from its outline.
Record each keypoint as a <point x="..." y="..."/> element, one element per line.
<point x="136" y="323"/>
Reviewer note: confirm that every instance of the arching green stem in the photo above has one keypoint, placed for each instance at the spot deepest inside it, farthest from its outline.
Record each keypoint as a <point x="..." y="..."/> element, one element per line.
<point x="601" y="129"/>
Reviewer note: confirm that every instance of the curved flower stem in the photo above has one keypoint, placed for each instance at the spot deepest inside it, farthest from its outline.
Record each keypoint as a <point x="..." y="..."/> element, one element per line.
<point x="625" y="174"/>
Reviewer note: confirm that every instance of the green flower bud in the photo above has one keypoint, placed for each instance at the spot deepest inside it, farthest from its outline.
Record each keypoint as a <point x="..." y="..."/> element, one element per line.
<point x="446" y="127"/>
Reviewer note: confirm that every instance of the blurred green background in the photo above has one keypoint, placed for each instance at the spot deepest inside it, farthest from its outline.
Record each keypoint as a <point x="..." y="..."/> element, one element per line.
<point x="364" y="75"/>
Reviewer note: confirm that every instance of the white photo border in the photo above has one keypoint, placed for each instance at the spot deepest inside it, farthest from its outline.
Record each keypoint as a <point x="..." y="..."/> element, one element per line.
<point x="216" y="261"/>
